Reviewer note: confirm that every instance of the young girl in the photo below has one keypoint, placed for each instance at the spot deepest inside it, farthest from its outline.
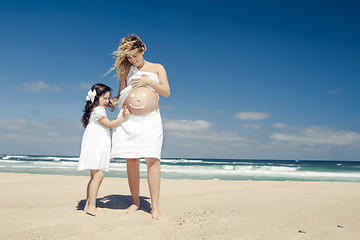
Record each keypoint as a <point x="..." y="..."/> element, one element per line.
<point x="96" y="142"/>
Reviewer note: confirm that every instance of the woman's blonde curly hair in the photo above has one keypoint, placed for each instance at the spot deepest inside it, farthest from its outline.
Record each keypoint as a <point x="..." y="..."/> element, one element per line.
<point x="129" y="45"/>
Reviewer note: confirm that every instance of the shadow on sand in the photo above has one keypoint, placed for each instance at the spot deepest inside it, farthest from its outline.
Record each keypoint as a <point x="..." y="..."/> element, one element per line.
<point x="117" y="202"/>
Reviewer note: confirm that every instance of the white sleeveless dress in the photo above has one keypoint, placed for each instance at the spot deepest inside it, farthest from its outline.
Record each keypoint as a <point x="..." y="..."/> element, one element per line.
<point x="96" y="143"/>
<point x="140" y="136"/>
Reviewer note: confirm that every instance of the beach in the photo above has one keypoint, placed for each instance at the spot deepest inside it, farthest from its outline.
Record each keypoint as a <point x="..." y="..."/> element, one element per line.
<point x="40" y="206"/>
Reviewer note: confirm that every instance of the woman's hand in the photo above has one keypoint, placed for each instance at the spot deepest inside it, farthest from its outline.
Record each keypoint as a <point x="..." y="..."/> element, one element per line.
<point x="126" y="112"/>
<point x="141" y="82"/>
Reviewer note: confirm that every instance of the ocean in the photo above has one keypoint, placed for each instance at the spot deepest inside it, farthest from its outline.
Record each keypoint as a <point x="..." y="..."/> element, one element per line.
<point x="196" y="168"/>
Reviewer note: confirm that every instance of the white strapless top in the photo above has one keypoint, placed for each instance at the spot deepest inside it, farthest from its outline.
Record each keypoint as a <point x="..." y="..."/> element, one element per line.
<point x="135" y="73"/>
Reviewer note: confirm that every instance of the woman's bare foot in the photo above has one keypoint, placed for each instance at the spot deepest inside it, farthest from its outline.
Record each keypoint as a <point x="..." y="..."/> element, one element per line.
<point x="156" y="214"/>
<point x="92" y="211"/>
<point x="132" y="208"/>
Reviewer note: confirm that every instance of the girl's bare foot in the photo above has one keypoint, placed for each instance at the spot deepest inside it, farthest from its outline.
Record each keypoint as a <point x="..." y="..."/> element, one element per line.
<point x="156" y="214"/>
<point x="132" y="208"/>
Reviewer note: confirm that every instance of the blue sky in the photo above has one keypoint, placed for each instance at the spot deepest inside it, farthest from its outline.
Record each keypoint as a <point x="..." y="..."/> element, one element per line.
<point x="249" y="79"/>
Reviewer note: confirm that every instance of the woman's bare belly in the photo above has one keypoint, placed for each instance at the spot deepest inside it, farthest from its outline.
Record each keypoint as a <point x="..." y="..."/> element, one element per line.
<point x="141" y="101"/>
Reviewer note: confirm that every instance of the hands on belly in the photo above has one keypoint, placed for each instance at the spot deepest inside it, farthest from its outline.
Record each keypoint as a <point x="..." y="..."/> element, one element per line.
<point x="141" y="101"/>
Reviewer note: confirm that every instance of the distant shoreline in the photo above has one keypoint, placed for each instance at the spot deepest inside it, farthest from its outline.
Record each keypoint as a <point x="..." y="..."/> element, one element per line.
<point x="196" y="168"/>
<point x="195" y="158"/>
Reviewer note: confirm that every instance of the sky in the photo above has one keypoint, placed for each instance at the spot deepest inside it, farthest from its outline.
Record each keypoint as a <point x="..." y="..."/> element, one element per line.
<point x="248" y="79"/>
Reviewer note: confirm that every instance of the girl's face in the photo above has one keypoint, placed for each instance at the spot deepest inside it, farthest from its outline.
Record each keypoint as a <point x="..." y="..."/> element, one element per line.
<point x="136" y="59"/>
<point x="104" y="99"/>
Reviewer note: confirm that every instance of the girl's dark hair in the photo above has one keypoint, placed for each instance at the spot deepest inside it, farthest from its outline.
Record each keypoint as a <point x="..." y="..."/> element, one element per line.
<point x="100" y="89"/>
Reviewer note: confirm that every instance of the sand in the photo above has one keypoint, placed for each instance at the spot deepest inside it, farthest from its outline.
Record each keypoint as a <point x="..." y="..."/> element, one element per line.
<point x="50" y="207"/>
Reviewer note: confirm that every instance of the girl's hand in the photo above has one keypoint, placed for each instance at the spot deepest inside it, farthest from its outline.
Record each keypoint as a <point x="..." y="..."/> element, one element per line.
<point x="114" y="101"/>
<point x="126" y="112"/>
<point x="141" y="82"/>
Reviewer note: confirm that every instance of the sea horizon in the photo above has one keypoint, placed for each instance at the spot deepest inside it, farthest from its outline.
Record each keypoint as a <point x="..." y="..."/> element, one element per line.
<point x="197" y="168"/>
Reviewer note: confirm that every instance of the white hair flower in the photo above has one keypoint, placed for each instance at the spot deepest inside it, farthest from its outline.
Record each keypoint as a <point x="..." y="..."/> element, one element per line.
<point x="91" y="95"/>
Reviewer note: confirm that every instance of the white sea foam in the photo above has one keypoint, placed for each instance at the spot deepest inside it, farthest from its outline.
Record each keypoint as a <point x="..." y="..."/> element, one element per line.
<point x="12" y="161"/>
<point x="22" y="166"/>
<point x="119" y="165"/>
<point x="181" y="161"/>
<point x="229" y="167"/>
<point x="40" y="158"/>
<point x="279" y="169"/>
<point x="249" y="171"/>
<point x="193" y="168"/>
<point x="67" y="158"/>
<point x="13" y="156"/>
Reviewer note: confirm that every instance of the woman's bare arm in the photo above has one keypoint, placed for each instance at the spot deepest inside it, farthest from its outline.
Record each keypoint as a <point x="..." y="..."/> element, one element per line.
<point x="161" y="88"/>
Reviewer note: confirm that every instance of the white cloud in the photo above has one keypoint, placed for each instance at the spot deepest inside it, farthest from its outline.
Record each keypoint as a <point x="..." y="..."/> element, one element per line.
<point x="334" y="92"/>
<point x="36" y="87"/>
<point x="253" y="126"/>
<point x="209" y="135"/>
<point x="186" y="125"/>
<point x="252" y="115"/>
<point x="61" y="136"/>
<point x="185" y="138"/>
<point x="198" y="130"/>
<point x="280" y="125"/>
<point x="285" y="127"/>
<point x="319" y="135"/>
<point x="201" y="139"/>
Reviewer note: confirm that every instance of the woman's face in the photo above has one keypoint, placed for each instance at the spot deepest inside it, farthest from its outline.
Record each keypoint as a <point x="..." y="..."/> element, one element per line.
<point x="136" y="59"/>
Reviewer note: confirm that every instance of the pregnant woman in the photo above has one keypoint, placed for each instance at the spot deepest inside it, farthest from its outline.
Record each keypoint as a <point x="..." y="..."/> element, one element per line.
<point x="141" y="135"/>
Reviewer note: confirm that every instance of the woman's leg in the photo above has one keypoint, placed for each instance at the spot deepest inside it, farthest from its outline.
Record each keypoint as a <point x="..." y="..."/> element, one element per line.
<point x="133" y="174"/>
<point x="93" y="189"/>
<point x="154" y="175"/>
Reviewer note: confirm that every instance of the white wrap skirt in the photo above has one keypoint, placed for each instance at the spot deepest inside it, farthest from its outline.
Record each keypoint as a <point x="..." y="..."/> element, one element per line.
<point x="139" y="136"/>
